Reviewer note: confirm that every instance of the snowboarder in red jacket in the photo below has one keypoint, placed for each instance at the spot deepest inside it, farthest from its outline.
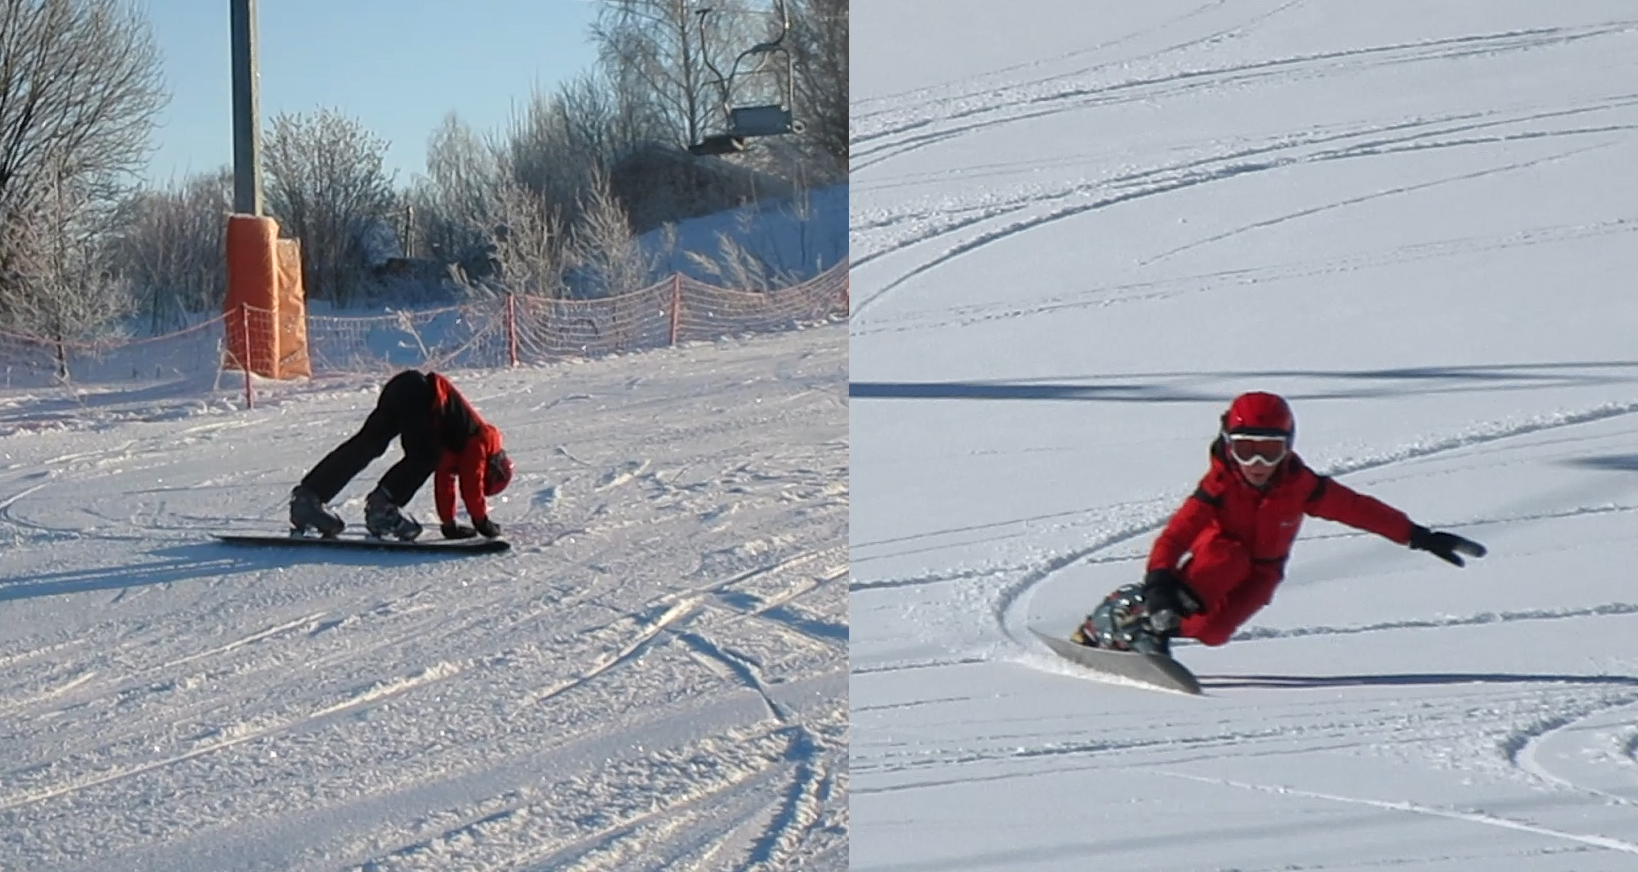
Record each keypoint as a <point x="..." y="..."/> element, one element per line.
<point x="441" y="434"/>
<point x="1223" y="552"/>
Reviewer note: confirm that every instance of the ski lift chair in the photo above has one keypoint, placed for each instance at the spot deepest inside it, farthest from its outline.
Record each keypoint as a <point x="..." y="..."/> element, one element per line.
<point x="751" y="121"/>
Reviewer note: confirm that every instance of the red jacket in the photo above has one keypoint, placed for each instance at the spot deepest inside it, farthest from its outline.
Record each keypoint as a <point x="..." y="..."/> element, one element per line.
<point x="1266" y="521"/>
<point x="467" y="441"/>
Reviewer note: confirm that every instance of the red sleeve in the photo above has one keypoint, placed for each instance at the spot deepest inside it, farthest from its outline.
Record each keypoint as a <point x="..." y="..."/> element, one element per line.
<point x="472" y="463"/>
<point x="1334" y="501"/>
<point x="443" y="487"/>
<point x="1196" y="512"/>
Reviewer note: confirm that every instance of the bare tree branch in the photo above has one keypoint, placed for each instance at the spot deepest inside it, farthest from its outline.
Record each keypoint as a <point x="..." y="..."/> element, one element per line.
<point x="605" y="253"/>
<point x="168" y="247"/>
<point x="660" y="61"/>
<point x="80" y="90"/>
<point x="529" y="242"/>
<point x="819" y="40"/>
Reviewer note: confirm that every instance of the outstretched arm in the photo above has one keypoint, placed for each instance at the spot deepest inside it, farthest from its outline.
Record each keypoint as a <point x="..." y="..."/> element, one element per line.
<point x="1337" y="502"/>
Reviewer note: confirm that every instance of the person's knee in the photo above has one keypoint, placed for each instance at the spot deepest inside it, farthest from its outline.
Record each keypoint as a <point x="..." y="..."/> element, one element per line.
<point x="1216" y="636"/>
<point x="1224" y="555"/>
<point x="1206" y="631"/>
<point x="1216" y="566"/>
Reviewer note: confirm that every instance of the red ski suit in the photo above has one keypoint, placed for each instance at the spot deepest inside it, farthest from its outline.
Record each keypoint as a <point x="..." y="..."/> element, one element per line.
<point x="460" y="427"/>
<point x="1237" y="537"/>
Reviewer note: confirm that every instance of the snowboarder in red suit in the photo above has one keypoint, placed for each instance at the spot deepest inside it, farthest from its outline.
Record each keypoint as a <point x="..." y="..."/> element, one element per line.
<point x="442" y="436"/>
<point x="1224" y="551"/>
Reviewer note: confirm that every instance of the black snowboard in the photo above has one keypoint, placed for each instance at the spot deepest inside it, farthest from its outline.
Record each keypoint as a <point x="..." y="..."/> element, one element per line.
<point x="1154" y="670"/>
<point x="365" y="543"/>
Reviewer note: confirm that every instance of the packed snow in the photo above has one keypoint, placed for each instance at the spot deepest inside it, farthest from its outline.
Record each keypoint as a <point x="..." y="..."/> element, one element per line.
<point x="1079" y="229"/>
<point x="653" y="677"/>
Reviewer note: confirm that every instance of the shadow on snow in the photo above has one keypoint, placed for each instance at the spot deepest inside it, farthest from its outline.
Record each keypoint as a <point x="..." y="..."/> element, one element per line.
<point x="1153" y="387"/>
<point x="191" y="562"/>
<point x="1408" y="679"/>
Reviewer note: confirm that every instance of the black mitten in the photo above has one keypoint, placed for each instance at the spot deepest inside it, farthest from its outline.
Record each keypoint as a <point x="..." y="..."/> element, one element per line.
<point x="1446" y="546"/>
<point x="1169" y="600"/>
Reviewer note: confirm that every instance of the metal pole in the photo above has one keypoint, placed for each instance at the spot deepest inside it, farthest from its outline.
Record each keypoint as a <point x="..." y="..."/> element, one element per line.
<point x="676" y="306"/>
<point x="247" y="139"/>
<point x="512" y="329"/>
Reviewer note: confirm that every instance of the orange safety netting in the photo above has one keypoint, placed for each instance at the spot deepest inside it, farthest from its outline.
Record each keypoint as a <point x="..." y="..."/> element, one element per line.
<point x="485" y="333"/>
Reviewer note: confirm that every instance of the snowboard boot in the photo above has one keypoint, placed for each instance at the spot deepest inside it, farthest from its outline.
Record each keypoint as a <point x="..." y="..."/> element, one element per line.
<point x="308" y="512"/>
<point x="1122" y="623"/>
<point x="384" y="520"/>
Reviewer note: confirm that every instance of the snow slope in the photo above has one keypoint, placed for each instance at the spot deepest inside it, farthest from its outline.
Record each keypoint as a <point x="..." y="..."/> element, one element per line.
<point x="1079" y="229"/>
<point x="654" y="677"/>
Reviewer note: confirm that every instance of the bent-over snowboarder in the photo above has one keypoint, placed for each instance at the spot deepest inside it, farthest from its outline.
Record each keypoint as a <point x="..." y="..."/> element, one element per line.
<point x="1224" y="551"/>
<point x="441" y="434"/>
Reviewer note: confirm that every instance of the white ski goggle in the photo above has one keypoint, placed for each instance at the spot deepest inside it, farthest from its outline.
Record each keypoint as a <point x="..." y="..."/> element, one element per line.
<point x="1249" y="449"/>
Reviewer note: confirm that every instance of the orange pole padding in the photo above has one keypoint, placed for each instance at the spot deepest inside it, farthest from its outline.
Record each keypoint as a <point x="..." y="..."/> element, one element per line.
<point x="292" y="314"/>
<point x="252" y="294"/>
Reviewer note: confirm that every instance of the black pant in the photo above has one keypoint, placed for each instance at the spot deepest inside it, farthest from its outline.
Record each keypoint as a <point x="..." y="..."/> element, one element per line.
<point x="404" y="410"/>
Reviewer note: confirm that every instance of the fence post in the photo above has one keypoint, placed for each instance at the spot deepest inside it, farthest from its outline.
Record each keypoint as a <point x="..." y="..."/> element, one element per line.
<point x="676" y="306"/>
<point x="512" y="329"/>
<point x="250" y="397"/>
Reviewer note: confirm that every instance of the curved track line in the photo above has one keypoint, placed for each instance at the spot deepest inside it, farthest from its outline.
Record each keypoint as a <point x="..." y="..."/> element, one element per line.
<point x="1525" y="754"/>
<point x="1417" y="808"/>
<point x="1454" y="47"/>
<point x="1188" y="180"/>
<point x="988" y="82"/>
<point x="378" y="691"/>
<point x="1004" y="99"/>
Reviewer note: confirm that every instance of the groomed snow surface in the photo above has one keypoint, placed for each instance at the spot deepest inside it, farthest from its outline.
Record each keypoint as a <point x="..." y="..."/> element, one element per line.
<point x="1079" y="229"/>
<point x="654" y="676"/>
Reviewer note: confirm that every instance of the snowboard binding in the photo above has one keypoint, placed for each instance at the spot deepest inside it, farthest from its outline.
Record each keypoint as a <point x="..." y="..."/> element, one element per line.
<point x="384" y="520"/>
<point x="1124" y="622"/>
<point x="309" y="514"/>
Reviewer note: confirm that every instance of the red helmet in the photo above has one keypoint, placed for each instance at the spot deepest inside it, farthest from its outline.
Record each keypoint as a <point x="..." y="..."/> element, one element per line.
<point x="497" y="473"/>
<point x="1260" y="414"/>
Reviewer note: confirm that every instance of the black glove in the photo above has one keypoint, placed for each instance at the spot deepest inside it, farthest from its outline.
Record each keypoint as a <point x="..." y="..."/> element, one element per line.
<point x="1169" y="600"/>
<point x="1446" y="546"/>
<point x="453" y="530"/>
<point x="488" y="528"/>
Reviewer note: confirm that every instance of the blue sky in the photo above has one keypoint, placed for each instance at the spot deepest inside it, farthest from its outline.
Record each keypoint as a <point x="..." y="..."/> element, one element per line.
<point x="395" y="65"/>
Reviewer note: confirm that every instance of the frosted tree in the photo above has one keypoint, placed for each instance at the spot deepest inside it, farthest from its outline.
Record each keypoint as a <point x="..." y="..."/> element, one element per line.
<point x="80" y="91"/>
<point x="328" y="187"/>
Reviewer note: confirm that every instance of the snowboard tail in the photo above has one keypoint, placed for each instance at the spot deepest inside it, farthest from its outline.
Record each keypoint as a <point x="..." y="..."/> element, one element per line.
<point x="1155" y="670"/>
<point x="365" y="543"/>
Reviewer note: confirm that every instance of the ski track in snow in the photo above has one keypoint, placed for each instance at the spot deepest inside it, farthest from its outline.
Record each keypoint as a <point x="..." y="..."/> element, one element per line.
<point x="654" y="677"/>
<point x="891" y="134"/>
<point x="1417" y="808"/>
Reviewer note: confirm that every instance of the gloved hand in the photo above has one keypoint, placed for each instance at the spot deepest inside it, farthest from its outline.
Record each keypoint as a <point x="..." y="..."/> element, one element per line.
<point x="453" y="530"/>
<point x="488" y="528"/>
<point x="1446" y="546"/>
<point x="1169" y="600"/>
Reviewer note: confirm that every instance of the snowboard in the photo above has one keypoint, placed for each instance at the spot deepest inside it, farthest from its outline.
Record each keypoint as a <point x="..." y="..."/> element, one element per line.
<point x="366" y="543"/>
<point x="1154" y="670"/>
